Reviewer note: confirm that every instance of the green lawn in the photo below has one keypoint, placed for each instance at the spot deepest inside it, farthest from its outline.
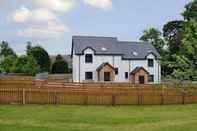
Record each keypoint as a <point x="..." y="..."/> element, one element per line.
<point x="98" y="118"/>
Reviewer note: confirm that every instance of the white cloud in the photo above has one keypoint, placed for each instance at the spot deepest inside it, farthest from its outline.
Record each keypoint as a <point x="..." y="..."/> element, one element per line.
<point x="23" y="15"/>
<point x="42" y="21"/>
<point x="51" y="30"/>
<point x="20" y="15"/>
<point x="101" y="4"/>
<point x="38" y="23"/>
<point x="56" y="5"/>
<point x="42" y="15"/>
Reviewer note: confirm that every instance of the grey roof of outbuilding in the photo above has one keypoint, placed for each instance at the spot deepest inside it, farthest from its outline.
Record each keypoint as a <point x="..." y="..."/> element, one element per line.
<point x="128" y="50"/>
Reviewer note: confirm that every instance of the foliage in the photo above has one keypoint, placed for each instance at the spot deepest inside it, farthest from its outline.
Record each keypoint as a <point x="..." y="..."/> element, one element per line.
<point x="172" y="32"/>
<point x="190" y="12"/>
<point x="60" y="65"/>
<point x="5" y="50"/>
<point x="26" y="65"/>
<point x="179" y="60"/>
<point x="41" y="56"/>
<point x="23" y="64"/>
<point x="58" y="57"/>
<point x="7" y="64"/>
<point x="153" y="36"/>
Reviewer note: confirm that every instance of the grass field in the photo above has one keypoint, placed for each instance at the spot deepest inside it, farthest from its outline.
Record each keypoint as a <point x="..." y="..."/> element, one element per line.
<point x="98" y="118"/>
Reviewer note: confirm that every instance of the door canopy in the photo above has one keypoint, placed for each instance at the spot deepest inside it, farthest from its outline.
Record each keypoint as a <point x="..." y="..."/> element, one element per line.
<point x="103" y="69"/>
<point x="137" y="74"/>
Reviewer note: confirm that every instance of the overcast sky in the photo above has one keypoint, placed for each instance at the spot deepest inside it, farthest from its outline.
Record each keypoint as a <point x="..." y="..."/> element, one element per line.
<point x="51" y="23"/>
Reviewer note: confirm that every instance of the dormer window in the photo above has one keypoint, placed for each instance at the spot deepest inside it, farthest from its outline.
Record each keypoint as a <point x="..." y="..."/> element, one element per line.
<point x="150" y="63"/>
<point x="88" y="58"/>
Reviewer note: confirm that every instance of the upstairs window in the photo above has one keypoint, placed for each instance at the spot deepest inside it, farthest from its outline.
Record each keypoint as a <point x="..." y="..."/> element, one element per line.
<point x="88" y="58"/>
<point x="116" y="71"/>
<point x="88" y="75"/>
<point x="150" y="63"/>
<point x="151" y="78"/>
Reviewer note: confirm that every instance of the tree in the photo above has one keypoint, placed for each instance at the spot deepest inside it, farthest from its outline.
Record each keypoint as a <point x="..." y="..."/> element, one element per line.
<point x="41" y="56"/>
<point x="7" y="64"/>
<point x="172" y="32"/>
<point x="60" y="65"/>
<point x="154" y="36"/>
<point x="189" y="42"/>
<point x="58" y="57"/>
<point x="183" y="63"/>
<point x="189" y="47"/>
<point x="26" y="65"/>
<point x="190" y="12"/>
<point x="5" y="50"/>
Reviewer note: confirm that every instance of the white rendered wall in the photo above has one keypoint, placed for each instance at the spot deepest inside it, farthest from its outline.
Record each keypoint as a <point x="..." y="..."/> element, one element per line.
<point x="80" y="67"/>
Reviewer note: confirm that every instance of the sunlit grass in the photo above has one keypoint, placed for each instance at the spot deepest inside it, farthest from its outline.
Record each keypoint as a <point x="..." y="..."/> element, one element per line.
<point x="98" y="118"/>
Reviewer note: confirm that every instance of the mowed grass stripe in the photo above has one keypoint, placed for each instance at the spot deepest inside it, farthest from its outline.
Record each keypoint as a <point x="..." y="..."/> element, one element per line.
<point x="98" y="118"/>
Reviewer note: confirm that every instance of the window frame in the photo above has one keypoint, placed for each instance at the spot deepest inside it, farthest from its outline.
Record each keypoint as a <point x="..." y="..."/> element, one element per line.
<point x="150" y="62"/>
<point x="86" y="75"/>
<point x="151" y="78"/>
<point x="126" y="75"/>
<point x="87" y="60"/>
<point x="116" y="71"/>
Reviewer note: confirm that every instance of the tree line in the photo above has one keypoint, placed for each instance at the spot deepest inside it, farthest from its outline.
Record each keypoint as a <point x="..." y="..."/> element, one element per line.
<point x="36" y="60"/>
<point x="177" y="44"/>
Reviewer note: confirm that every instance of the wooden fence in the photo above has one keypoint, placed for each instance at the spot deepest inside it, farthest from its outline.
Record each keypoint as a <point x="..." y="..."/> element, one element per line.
<point x="27" y="92"/>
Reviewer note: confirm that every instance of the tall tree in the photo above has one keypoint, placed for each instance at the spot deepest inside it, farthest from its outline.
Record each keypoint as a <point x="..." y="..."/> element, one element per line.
<point x="172" y="32"/>
<point x="58" y="57"/>
<point x="60" y="66"/>
<point x="189" y="48"/>
<point x="154" y="36"/>
<point x="190" y="12"/>
<point x="41" y="56"/>
<point x="5" y="50"/>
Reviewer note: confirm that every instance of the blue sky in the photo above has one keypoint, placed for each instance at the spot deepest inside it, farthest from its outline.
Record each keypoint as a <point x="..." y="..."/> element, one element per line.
<point x="51" y="23"/>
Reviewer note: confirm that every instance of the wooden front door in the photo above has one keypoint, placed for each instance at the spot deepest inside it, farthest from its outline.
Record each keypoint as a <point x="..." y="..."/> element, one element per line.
<point x="106" y="76"/>
<point x="141" y="80"/>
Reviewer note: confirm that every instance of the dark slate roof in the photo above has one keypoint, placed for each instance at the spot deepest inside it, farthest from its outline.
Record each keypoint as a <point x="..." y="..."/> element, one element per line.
<point x="111" y="46"/>
<point x="137" y="69"/>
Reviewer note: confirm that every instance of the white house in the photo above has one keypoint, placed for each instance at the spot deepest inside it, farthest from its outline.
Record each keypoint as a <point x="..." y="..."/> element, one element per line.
<point x="99" y="59"/>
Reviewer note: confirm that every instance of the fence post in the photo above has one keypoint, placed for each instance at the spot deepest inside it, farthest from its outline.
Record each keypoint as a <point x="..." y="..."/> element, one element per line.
<point x="183" y="97"/>
<point x="24" y="97"/>
<point x="162" y="96"/>
<point x="139" y="96"/>
<point x="86" y="97"/>
<point x="56" y="98"/>
<point x="113" y="97"/>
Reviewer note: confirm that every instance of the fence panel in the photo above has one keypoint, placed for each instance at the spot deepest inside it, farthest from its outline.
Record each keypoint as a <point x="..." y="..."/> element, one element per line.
<point x="10" y="96"/>
<point x="26" y="92"/>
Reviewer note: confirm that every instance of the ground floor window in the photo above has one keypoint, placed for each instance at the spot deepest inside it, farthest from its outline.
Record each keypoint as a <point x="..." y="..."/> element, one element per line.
<point x="88" y="75"/>
<point x="126" y="75"/>
<point x="151" y="78"/>
<point x="116" y="71"/>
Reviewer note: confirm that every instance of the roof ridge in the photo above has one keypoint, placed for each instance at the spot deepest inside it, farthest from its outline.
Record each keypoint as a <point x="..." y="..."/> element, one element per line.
<point x="86" y="36"/>
<point x="134" y="42"/>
